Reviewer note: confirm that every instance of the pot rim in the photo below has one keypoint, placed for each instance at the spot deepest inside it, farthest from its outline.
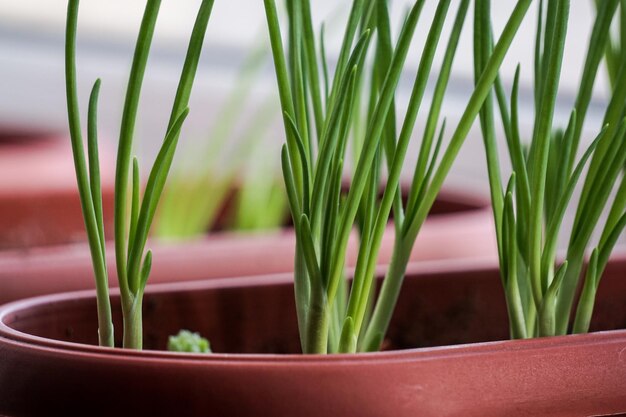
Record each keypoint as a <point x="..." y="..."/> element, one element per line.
<point x="21" y="340"/>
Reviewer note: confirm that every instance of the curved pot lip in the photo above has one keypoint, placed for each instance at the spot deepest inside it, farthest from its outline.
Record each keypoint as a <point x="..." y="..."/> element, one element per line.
<point x="10" y="336"/>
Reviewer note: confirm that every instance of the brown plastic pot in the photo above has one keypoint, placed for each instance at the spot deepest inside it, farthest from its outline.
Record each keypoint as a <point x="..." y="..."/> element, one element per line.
<point x="48" y="367"/>
<point x="39" y="204"/>
<point x="460" y="226"/>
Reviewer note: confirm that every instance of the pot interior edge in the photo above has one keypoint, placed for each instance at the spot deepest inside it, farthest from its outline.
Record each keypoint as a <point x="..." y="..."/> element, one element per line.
<point x="440" y="309"/>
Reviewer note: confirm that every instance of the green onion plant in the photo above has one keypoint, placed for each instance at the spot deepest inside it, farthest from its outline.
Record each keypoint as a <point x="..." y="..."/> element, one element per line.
<point x="529" y="211"/>
<point x="133" y="262"/>
<point x="319" y="117"/>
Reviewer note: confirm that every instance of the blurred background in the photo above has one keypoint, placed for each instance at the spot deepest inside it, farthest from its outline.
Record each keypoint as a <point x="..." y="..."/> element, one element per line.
<point x="236" y="63"/>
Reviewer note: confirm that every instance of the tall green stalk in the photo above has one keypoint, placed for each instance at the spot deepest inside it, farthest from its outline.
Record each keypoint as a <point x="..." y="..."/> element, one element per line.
<point x="131" y="232"/>
<point x="88" y="183"/>
<point x="314" y="153"/>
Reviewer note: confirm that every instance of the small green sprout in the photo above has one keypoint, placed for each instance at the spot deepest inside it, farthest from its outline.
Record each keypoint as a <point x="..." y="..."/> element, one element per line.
<point x="190" y="342"/>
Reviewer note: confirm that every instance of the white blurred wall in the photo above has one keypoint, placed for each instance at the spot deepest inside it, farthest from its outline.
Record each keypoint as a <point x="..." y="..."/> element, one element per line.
<point x="32" y="79"/>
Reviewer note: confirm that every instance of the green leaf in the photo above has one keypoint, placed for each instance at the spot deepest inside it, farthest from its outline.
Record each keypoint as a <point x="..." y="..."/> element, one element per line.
<point x="592" y="203"/>
<point x="330" y="136"/>
<point x="343" y="65"/>
<point x="508" y="254"/>
<point x="617" y="210"/>
<point x="433" y="159"/>
<point x="292" y="194"/>
<point x="347" y="343"/>
<point x="606" y="247"/>
<point x="587" y="296"/>
<point x="538" y="48"/>
<point x="614" y="119"/>
<point x="518" y="159"/>
<point x="152" y="194"/>
<point x="541" y="139"/>
<point x="94" y="160"/>
<point x="426" y="162"/>
<point x="514" y="303"/>
<point x="597" y="44"/>
<point x="483" y="46"/>
<point x="552" y="234"/>
<point x="547" y="311"/>
<point x="331" y="215"/>
<point x="146" y="267"/>
<point x="308" y="249"/>
<point x="284" y="85"/>
<point x="306" y="169"/>
<point x="562" y="171"/>
<point x="312" y="70"/>
<point x="85" y="189"/>
<point x="134" y="207"/>
<point x="129" y="116"/>
<point x="324" y="64"/>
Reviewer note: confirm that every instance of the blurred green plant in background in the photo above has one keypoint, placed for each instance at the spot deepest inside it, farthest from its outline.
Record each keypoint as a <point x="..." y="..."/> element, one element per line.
<point x="233" y="182"/>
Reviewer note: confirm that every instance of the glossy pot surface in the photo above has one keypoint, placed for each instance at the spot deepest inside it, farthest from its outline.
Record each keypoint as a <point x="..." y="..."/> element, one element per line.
<point x="39" y="202"/>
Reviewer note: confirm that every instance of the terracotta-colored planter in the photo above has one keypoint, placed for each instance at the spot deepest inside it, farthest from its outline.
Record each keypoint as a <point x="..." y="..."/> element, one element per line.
<point x="460" y="226"/>
<point x="39" y="202"/>
<point x="44" y="370"/>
